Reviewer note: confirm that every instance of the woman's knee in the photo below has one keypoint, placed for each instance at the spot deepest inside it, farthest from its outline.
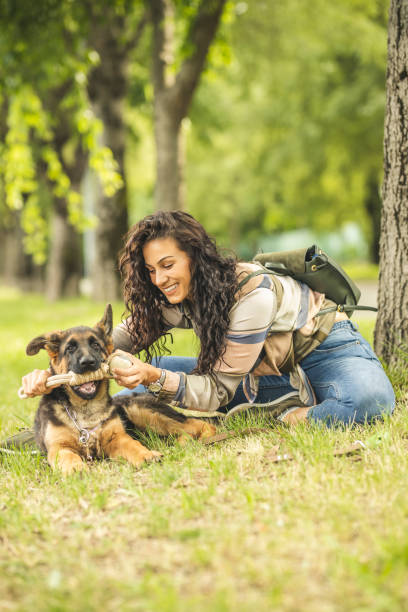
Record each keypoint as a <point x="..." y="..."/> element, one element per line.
<point x="360" y="403"/>
<point x="373" y="398"/>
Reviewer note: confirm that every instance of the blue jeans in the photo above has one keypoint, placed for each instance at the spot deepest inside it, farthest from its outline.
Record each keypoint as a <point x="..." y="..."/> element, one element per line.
<point x="348" y="379"/>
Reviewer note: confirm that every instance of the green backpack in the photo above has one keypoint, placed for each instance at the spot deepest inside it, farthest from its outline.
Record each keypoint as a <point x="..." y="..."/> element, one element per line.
<point x="316" y="269"/>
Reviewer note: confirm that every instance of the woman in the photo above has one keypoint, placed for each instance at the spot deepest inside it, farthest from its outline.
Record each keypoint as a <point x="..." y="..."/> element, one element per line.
<point x="261" y="344"/>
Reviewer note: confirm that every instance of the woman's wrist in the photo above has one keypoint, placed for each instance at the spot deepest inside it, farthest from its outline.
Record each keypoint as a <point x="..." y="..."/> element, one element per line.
<point x="152" y="374"/>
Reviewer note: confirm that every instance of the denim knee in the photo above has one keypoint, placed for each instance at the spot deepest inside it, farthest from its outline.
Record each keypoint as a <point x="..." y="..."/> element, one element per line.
<point x="374" y="400"/>
<point x="360" y="404"/>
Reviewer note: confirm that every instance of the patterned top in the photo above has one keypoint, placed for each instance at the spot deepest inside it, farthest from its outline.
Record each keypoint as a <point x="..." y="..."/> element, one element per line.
<point x="272" y="327"/>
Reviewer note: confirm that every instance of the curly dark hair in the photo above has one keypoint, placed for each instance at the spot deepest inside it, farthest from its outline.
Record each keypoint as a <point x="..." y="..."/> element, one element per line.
<point x="211" y="297"/>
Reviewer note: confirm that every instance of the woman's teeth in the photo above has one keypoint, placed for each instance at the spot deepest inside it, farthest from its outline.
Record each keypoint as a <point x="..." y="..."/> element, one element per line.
<point x="168" y="289"/>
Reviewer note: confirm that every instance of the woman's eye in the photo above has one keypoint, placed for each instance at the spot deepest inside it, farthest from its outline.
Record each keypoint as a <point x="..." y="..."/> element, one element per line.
<point x="168" y="266"/>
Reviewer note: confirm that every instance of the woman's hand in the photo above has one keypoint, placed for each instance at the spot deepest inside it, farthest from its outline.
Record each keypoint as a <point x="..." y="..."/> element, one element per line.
<point x="34" y="383"/>
<point x="138" y="373"/>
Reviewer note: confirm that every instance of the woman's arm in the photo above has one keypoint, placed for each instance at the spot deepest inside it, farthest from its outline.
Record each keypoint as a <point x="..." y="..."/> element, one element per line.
<point x="122" y="339"/>
<point x="140" y="372"/>
<point x="251" y="318"/>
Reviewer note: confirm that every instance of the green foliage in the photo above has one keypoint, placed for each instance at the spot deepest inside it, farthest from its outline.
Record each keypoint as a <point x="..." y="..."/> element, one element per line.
<point x="44" y="82"/>
<point x="285" y="130"/>
<point x="290" y="133"/>
<point x="29" y="141"/>
<point x="18" y="165"/>
<point x="103" y="162"/>
<point x="35" y="228"/>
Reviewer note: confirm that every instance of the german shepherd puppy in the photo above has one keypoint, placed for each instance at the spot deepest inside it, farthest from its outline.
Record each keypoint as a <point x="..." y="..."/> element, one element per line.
<point x="85" y="422"/>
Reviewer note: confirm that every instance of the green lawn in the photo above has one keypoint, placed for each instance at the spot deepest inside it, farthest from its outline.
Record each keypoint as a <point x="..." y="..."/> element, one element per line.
<point x="212" y="528"/>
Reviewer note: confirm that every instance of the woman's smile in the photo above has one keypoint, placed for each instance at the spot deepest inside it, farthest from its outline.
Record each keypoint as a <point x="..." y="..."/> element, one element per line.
<point x="170" y="289"/>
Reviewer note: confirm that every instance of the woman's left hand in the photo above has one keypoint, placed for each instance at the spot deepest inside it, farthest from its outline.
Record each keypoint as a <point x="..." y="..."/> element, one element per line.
<point x="139" y="373"/>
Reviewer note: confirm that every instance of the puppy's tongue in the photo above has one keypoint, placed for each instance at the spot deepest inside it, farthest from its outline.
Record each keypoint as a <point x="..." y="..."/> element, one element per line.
<point x="88" y="387"/>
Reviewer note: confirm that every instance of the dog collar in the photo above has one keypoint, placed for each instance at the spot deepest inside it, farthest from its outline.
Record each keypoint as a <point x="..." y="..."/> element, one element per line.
<point x="84" y="434"/>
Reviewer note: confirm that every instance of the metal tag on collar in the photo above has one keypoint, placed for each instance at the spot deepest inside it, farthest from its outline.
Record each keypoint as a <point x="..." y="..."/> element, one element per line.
<point x="84" y="436"/>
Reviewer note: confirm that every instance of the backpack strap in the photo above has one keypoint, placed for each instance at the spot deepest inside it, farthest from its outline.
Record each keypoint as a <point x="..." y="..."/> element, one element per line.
<point x="249" y="276"/>
<point x="344" y="308"/>
<point x="280" y="270"/>
<point x="277" y="285"/>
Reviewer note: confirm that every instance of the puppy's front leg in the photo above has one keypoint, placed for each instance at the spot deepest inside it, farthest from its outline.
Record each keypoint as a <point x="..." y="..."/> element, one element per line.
<point x="60" y="450"/>
<point x="117" y="443"/>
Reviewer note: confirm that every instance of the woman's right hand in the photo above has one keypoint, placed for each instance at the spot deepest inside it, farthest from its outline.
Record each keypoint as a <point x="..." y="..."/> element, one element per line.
<point x="34" y="383"/>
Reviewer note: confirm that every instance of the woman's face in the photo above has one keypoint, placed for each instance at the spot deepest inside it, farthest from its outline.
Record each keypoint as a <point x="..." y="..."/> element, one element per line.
<point x="169" y="268"/>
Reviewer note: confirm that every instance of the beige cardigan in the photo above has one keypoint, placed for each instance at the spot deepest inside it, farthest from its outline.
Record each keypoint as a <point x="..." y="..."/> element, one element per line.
<point x="272" y="327"/>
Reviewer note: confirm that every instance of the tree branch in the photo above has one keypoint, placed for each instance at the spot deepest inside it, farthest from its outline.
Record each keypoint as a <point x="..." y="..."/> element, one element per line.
<point x="161" y="13"/>
<point x="133" y="42"/>
<point x="201" y="34"/>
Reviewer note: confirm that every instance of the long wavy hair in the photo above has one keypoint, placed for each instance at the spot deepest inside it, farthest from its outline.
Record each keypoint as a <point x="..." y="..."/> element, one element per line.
<point x="211" y="296"/>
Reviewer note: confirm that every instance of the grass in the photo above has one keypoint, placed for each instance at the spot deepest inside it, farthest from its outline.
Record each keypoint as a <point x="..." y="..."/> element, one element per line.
<point x="217" y="528"/>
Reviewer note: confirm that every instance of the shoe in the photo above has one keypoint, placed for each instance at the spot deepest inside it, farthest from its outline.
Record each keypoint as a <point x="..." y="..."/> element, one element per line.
<point x="276" y="409"/>
<point x="24" y="440"/>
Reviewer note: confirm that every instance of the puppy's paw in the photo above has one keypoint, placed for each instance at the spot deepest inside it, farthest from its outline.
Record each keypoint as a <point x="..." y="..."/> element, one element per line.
<point x="72" y="465"/>
<point x="208" y="430"/>
<point x="146" y="456"/>
<point x="65" y="460"/>
<point x="153" y="456"/>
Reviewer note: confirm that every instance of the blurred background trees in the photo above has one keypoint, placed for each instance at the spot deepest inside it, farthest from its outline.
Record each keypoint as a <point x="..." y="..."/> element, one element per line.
<point x="263" y="119"/>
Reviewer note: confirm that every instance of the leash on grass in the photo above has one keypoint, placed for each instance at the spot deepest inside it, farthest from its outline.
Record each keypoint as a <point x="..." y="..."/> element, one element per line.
<point x="226" y="435"/>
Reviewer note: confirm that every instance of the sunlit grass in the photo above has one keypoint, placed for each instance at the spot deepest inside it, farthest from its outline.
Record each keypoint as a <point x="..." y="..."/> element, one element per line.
<point x="221" y="527"/>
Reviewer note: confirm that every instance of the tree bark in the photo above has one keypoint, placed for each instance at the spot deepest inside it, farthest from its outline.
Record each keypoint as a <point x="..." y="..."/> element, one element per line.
<point x="391" y="332"/>
<point x="173" y="94"/>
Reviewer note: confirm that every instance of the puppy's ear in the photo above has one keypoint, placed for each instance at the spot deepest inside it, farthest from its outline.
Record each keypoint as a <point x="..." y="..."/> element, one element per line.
<point x="106" y="323"/>
<point x="50" y="342"/>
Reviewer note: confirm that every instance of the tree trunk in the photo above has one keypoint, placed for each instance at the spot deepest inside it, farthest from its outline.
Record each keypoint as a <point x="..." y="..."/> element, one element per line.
<point x="169" y="191"/>
<point x="108" y="85"/>
<point x="65" y="260"/>
<point x="173" y="93"/>
<point x="14" y="261"/>
<point x="373" y="208"/>
<point x="64" y="268"/>
<point x="391" y="330"/>
<point x="17" y="267"/>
